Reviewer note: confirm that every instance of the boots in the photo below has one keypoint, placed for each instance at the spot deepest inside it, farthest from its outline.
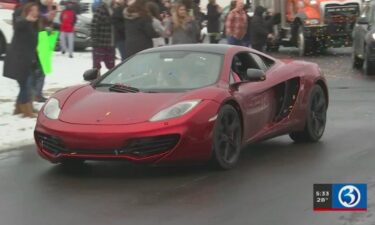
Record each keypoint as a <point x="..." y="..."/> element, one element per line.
<point x="17" y="109"/>
<point x="27" y="110"/>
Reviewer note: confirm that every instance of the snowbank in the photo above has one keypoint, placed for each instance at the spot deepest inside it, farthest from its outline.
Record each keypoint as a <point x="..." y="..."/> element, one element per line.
<point x="17" y="131"/>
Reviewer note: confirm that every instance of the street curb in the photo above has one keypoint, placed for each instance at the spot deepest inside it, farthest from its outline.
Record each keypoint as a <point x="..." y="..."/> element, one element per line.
<point x="15" y="146"/>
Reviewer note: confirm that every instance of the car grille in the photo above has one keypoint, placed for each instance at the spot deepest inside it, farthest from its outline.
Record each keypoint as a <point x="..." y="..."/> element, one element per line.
<point x="341" y="18"/>
<point x="50" y="143"/>
<point x="137" y="147"/>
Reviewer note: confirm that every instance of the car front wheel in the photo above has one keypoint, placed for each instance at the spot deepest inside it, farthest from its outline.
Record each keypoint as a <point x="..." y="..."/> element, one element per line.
<point x="227" y="138"/>
<point x="316" y="118"/>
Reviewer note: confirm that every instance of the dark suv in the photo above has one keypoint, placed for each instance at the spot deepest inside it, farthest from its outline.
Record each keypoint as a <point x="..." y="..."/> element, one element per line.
<point x="364" y="40"/>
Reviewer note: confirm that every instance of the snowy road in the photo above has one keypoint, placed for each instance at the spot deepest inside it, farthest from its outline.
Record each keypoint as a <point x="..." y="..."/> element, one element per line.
<point x="273" y="183"/>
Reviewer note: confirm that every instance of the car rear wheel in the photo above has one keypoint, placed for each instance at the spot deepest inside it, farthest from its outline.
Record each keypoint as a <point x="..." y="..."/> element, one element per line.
<point x="227" y="138"/>
<point x="304" y="44"/>
<point x="316" y="118"/>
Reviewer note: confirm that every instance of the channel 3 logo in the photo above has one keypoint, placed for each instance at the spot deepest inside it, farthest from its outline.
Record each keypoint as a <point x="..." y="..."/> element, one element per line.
<point x="340" y="197"/>
<point x="349" y="196"/>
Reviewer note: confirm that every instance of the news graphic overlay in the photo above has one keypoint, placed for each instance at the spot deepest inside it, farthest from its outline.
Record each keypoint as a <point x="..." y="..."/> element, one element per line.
<point x="340" y="197"/>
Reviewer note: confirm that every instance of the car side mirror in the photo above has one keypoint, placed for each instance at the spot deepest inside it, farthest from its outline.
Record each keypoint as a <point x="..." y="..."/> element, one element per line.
<point x="363" y="21"/>
<point x="91" y="74"/>
<point x="255" y="75"/>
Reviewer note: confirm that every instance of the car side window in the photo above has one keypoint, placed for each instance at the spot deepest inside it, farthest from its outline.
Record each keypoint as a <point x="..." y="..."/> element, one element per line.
<point x="263" y="62"/>
<point x="240" y="63"/>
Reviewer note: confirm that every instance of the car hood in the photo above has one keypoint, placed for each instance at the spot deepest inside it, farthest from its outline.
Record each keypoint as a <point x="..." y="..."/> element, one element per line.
<point x="90" y="106"/>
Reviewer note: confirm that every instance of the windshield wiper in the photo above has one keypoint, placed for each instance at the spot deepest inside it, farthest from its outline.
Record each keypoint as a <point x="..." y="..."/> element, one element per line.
<point x="123" y="88"/>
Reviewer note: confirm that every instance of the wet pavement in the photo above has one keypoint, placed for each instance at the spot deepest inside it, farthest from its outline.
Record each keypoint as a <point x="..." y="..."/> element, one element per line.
<point x="273" y="183"/>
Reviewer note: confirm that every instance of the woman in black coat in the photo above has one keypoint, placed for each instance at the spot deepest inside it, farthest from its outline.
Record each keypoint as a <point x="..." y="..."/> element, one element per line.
<point x="213" y="21"/>
<point x="119" y="27"/>
<point x="139" y="31"/>
<point x="21" y="57"/>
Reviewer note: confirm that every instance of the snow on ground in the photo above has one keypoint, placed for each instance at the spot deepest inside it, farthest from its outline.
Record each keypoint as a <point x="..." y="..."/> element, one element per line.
<point x="17" y="131"/>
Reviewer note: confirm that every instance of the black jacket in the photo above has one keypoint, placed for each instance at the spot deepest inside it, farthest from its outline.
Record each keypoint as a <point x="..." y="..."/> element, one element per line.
<point x="213" y="19"/>
<point x="259" y="28"/>
<point x="101" y="28"/>
<point x="21" y="55"/>
<point x="139" y="33"/>
<point x="119" y="23"/>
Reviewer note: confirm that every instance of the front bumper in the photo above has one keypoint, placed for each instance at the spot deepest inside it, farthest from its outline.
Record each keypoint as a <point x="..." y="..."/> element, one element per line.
<point x="185" y="139"/>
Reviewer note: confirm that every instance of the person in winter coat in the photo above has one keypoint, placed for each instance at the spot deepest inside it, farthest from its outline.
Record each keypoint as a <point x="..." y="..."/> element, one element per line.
<point x="213" y="21"/>
<point x="139" y="31"/>
<point x="166" y="16"/>
<point x="185" y="29"/>
<point x="47" y="13"/>
<point x="102" y="34"/>
<point x="157" y="24"/>
<point x="236" y="24"/>
<point x="260" y="30"/>
<point x="246" y="40"/>
<point x="68" y="18"/>
<point x="119" y="27"/>
<point x="21" y="57"/>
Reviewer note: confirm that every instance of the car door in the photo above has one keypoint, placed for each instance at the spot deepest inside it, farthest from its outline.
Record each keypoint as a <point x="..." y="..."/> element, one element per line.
<point x="256" y="98"/>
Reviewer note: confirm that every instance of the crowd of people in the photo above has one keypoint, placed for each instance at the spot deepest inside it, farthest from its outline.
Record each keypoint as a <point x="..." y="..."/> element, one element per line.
<point x="129" y="26"/>
<point x="134" y="26"/>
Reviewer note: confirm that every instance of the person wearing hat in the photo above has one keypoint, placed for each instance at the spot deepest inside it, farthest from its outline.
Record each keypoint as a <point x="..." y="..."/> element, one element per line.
<point x="260" y="29"/>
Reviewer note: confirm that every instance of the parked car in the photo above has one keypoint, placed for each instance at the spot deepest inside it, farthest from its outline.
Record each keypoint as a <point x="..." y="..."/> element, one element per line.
<point x="83" y="6"/>
<point x="82" y="38"/>
<point x="8" y="4"/>
<point x="364" y="40"/>
<point x="6" y="29"/>
<point x="183" y="103"/>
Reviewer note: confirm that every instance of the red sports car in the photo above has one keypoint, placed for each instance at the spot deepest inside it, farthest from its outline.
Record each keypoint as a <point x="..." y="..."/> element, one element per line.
<point x="184" y="103"/>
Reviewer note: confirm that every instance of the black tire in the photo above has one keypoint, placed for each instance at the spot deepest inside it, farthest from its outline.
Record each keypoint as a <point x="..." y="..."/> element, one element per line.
<point x="305" y="45"/>
<point x="316" y="118"/>
<point x="357" y="62"/>
<point x="369" y="66"/>
<point x="227" y="138"/>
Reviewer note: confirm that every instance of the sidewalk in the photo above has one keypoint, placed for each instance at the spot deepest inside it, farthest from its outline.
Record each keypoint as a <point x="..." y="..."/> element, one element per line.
<point x="16" y="131"/>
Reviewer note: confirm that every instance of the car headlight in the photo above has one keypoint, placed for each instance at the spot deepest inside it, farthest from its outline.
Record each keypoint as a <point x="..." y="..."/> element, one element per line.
<point x="81" y="35"/>
<point x="312" y="22"/>
<point x="373" y="36"/>
<point x="52" y="109"/>
<point x="176" y="110"/>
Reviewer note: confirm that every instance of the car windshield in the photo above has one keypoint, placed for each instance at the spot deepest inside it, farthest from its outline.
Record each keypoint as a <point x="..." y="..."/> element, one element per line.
<point x="166" y="71"/>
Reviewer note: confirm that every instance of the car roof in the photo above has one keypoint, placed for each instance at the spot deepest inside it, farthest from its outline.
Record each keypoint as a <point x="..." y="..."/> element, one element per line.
<point x="209" y="48"/>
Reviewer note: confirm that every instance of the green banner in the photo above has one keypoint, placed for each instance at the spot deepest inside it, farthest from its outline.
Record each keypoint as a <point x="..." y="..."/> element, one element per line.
<point x="46" y="46"/>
